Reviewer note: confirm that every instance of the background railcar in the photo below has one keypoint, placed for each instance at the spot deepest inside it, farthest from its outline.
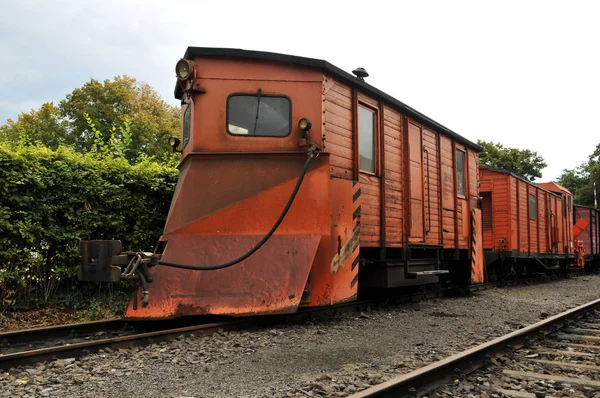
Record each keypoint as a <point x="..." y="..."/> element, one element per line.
<point x="590" y="234"/>
<point x="525" y="227"/>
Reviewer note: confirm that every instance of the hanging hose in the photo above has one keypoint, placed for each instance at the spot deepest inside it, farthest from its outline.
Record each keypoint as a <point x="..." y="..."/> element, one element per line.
<point x="312" y="152"/>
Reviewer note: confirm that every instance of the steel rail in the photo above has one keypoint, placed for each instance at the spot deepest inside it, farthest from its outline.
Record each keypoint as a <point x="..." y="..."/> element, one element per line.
<point x="423" y="380"/>
<point x="170" y="330"/>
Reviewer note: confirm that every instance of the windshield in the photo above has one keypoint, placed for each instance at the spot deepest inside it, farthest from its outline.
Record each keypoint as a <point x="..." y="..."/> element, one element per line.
<point x="258" y="115"/>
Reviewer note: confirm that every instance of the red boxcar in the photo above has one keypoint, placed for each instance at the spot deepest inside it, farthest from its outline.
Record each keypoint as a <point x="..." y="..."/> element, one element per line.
<point x="590" y="236"/>
<point x="524" y="221"/>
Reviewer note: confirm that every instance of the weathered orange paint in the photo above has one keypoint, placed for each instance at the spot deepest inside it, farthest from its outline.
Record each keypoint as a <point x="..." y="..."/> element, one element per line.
<point x="232" y="188"/>
<point x="477" y="258"/>
<point x="590" y="236"/>
<point x="511" y="218"/>
<point x="565" y="211"/>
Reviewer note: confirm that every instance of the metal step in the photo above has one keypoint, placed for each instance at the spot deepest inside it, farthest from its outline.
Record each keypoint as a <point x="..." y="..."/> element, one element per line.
<point x="427" y="273"/>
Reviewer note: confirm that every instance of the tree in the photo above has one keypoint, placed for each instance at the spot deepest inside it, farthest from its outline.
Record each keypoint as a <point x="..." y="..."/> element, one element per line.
<point x="523" y="162"/>
<point x="45" y="125"/>
<point x="109" y="104"/>
<point x="112" y="106"/>
<point x="580" y="180"/>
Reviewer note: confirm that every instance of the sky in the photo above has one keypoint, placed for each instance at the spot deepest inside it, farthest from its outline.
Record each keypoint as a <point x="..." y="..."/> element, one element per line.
<point x="522" y="73"/>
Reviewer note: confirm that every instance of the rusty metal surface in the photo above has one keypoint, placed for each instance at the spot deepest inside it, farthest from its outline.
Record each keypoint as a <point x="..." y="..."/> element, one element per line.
<point x="212" y="186"/>
<point x="270" y="281"/>
<point x="97" y="259"/>
<point x="223" y="205"/>
<point x="63" y="351"/>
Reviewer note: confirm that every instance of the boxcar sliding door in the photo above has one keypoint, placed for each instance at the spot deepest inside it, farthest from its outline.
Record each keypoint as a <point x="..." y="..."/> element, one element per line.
<point x="417" y="225"/>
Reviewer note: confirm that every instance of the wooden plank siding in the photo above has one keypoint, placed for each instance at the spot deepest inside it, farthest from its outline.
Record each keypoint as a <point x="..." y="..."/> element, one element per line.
<point x="499" y="189"/>
<point x="386" y="195"/>
<point x="392" y="167"/>
<point x="337" y="127"/>
<point x="511" y="213"/>
<point x="448" y="192"/>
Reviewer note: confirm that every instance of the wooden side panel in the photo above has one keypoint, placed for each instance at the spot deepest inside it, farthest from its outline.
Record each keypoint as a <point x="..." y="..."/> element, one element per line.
<point x="542" y="214"/>
<point x="448" y="193"/>
<point x="416" y="184"/>
<point x="498" y="186"/>
<point x="523" y="217"/>
<point x="501" y="209"/>
<point x="473" y="173"/>
<point x="370" y="235"/>
<point x="337" y="126"/>
<point x="370" y="214"/>
<point x="392" y="135"/>
<point x="462" y="205"/>
<point x="533" y="224"/>
<point x="431" y="187"/>
<point x="514" y="216"/>
<point x="487" y="195"/>
<point x="554" y="227"/>
<point x="569" y="222"/>
<point x="560" y="241"/>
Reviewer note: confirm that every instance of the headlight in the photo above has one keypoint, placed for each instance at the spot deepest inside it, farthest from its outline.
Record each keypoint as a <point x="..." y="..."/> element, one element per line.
<point x="183" y="69"/>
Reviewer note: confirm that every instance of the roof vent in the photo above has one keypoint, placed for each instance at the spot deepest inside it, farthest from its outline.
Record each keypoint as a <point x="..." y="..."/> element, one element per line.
<point x="361" y="73"/>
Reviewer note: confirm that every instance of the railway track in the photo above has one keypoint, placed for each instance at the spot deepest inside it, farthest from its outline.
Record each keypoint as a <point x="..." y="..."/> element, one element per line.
<point x="67" y="341"/>
<point x="558" y="353"/>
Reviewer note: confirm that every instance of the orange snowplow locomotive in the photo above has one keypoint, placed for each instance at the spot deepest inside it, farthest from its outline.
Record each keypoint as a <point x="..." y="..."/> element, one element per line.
<point x="299" y="183"/>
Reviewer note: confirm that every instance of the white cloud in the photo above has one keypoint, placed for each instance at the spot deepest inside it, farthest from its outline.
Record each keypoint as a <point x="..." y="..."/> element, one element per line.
<point x="522" y="73"/>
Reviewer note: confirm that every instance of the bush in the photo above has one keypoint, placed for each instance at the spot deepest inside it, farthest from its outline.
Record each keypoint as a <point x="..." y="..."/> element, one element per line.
<point x="50" y="199"/>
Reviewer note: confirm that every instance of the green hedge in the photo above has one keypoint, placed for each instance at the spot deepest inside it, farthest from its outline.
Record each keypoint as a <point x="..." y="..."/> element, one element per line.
<point x="49" y="200"/>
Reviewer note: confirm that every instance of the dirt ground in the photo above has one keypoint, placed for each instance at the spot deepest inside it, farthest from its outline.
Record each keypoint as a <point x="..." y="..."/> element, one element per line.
<point x="330" y="358"/>
<point x="16" y="320"/>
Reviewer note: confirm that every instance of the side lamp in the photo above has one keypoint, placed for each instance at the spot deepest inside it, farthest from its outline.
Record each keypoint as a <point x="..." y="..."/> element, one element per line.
<point x="304" y="125"/>
<point x="174" y="143"/>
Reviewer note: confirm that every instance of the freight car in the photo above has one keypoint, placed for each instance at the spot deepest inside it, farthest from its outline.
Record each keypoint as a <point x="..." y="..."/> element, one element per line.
<point x="588" y="234"/>
<point x="299" y="183"/>
<point x="527" y="227"/>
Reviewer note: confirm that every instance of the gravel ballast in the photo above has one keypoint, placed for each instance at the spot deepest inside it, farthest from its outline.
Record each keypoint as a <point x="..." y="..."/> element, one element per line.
<point x="335" y="357"/>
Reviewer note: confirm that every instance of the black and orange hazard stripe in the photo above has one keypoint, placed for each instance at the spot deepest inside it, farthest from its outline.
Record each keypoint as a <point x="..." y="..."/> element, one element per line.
<point x="477" y="258"/>
<point x="356" y="230"/>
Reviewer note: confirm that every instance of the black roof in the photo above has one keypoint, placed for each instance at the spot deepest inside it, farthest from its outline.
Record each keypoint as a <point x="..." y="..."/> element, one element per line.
<point x="518" y="177"/>
<point x="586" y="207"/>
<point x="193" y="52"/>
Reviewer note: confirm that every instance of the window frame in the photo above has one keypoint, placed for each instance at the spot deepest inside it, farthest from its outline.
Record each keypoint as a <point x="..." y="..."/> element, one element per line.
<point x="375" y="111"/>
<point x="464" y="179"/>
<point x="188" y="107"/>
<point x="255" y="94"/>
<point x="534" y="202"/>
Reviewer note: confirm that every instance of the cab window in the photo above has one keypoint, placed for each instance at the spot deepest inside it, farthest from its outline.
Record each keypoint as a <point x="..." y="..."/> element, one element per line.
<point x="258" y="115"/>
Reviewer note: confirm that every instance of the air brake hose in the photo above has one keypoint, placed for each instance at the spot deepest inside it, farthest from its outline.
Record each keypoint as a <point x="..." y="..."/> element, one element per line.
<point x="311" y="154"/>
